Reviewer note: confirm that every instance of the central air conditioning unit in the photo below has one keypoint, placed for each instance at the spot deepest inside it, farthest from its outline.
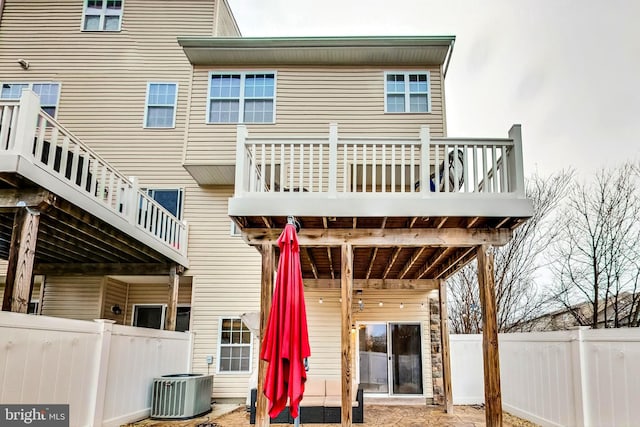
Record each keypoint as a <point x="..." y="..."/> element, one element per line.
<point x="181" y="396"/>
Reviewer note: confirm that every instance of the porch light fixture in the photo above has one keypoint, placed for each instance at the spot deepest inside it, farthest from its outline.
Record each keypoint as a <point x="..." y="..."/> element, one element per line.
<point x="401" y="305"/>
<point x="353" y="329"/>
<point x="115" y="309"/>
<point x="320" y="301"/>
<point x="380" y="304"/>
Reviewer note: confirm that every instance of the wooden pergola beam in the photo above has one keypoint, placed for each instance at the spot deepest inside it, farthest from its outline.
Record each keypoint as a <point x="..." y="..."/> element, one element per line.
<point x="361" y="284"/>
<point x="491" y="358"/>
<point x="387" y="237"/>
<point x="266" y="296"/>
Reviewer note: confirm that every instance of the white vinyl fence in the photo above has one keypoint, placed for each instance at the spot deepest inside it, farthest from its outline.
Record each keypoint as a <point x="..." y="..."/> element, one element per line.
<point x="567" y="378"/>
<point x="102" y="370"/>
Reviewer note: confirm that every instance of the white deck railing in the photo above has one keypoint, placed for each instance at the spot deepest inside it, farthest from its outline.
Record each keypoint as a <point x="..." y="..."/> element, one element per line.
<point x="28" y="131"/>
<point x="365" y="165"/>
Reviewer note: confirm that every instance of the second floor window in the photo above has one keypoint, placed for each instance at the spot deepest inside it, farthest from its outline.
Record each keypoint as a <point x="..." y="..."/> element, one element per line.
<point x="49" y="94"/>
<point x="407" y="93"/>
<point x="102" y="15"/>
<point x="160" y="110"/>
<point x="241" y="98"/>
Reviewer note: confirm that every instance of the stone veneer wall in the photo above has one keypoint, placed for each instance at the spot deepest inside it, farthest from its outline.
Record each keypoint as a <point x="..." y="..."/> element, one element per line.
<point x="436" y="352"/>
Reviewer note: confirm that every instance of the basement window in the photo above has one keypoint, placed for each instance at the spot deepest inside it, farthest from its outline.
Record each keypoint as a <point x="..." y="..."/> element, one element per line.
<point x="153" y="316"/>
<point x="234" y="346"/>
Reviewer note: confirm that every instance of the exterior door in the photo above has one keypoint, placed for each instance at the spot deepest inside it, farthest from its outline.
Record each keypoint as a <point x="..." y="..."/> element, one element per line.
<point x="406" y="358"/>
<point x="390" y="358"/>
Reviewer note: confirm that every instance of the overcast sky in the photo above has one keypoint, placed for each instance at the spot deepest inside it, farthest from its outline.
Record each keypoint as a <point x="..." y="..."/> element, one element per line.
<point x="567" y="70"/>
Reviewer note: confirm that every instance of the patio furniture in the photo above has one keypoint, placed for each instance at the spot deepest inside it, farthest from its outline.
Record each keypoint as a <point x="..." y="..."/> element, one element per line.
<point x="321" y="403"/>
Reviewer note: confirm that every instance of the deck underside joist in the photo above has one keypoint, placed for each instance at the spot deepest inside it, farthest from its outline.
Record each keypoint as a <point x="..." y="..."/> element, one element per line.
<point x="388" y="252"/>
<point x="69" y="239"/>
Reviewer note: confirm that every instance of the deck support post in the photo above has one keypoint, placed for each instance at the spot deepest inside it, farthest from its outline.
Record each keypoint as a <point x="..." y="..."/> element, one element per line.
<point x="346" y="339"/>
<point x="172" y="307"/>
<point x="19" y="281"/>
<point x="486" y="281"/>
<point x="266" y="296"/>
<point x="446" y="355"/>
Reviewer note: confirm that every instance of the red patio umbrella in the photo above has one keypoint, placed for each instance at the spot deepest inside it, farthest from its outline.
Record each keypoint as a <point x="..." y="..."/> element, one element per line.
<point x="286" y="341"/>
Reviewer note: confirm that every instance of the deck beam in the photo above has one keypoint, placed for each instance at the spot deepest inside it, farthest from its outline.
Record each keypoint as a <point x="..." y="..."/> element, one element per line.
<point x="361" y="284"/>
<point x="450" y="237"/>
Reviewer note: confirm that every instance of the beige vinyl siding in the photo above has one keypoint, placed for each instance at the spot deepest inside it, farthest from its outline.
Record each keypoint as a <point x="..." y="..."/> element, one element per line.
<point x="115" y="292"/>
<point x="307" y="100"/>
<point x="104" y="75"/>
<point x="154" y="293"/>
<point x="226" y="282"/>
<point x="226" y="25"/>
<point x="325" y="325"/>
<point x="73" y="297"/>
<point x="35" y="292"/>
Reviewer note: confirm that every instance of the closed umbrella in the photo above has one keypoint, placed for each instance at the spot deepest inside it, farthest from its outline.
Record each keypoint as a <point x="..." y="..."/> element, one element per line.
<point x="286" y="342"/>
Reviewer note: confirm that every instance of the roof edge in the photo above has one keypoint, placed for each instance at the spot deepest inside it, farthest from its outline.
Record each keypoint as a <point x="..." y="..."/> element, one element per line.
<point x="353" y="41"/>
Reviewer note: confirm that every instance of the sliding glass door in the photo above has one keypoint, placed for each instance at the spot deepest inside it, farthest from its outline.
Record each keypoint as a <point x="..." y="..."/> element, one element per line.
<point x="373" y="358"/>
<point x="390" y="358"/>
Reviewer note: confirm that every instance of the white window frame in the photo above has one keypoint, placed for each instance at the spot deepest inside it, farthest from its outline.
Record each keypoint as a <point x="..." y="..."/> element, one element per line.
<point x="241" y="98"/>
<point x="407" y="97"/>
<point x="36" y="303"/>
<point x="235" y="230"/>
<point x="30" y="87"/>
<point x="163" y="317"/>
<point x="102" y="15"/>
<point x="250" y="369"/>
<point x="147" y="105"/>
<point x="190" y="312"/>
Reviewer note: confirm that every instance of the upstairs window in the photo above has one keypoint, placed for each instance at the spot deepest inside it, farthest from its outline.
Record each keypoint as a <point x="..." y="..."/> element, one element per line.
<point x="160" y="110"/>
<point x="170" y="199"/>
<point x="49" y="94"/>
<point x="241" y="98"/>
<point x="407" y="93"/>
<point x="102" y="15"/>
